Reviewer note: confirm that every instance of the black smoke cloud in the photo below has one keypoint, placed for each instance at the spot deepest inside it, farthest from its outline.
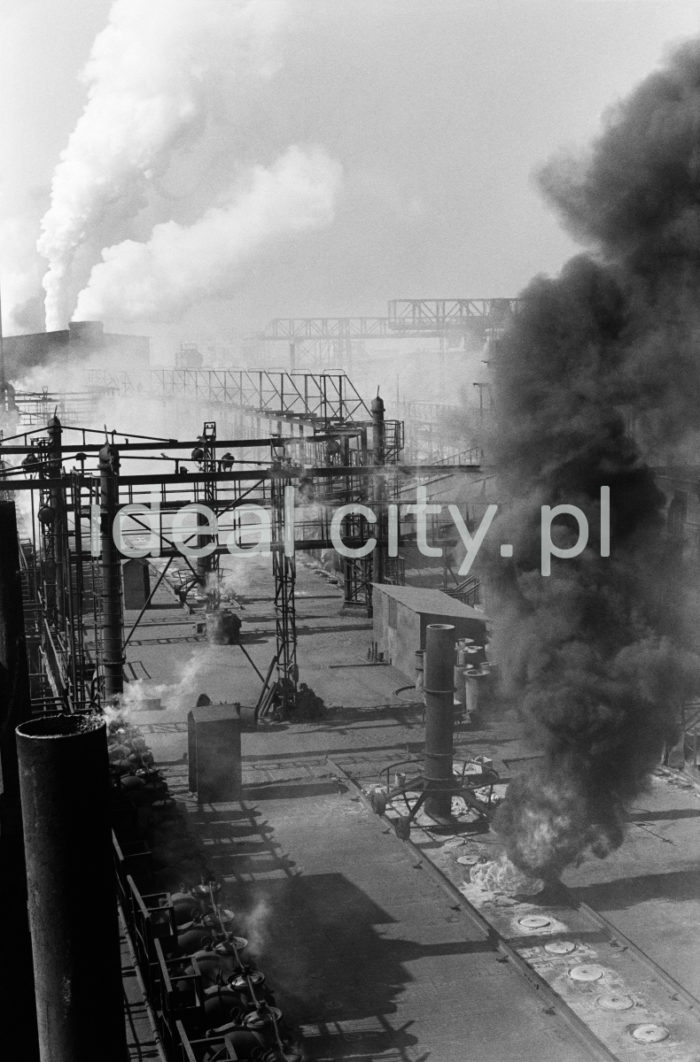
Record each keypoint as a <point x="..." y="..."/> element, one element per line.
<point x="598" y="655"/>
<point x="636" y="200"/>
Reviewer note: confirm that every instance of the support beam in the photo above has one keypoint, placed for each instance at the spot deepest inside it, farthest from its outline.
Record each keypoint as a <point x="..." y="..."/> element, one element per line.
<point x="112" y="612"/>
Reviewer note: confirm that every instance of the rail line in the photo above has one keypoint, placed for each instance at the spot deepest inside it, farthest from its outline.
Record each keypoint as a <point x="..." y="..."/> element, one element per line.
<point x="621" y="1005"/>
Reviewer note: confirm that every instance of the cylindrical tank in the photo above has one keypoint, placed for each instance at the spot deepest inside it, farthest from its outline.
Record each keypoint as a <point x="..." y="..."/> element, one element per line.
<point x="474" y="680"/>
<point x="439" y="718"/>
<point x="473" y="655"/>
<point x="72" y="906"/>
<point x="420" y="664"/>
<point x="460" y="696"/>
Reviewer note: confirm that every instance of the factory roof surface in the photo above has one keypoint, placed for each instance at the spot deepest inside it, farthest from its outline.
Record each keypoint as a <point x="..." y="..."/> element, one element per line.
<point x="427" y="599"/>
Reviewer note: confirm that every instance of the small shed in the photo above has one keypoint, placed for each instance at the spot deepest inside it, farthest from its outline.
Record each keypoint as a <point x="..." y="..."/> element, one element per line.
<point x="401" y="614"/>
<point x="214" y="752"/>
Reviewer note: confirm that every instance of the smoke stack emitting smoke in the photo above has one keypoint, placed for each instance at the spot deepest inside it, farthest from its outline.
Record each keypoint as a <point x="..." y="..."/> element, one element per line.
<point x="164" y="79"/>
<point x="596" y="654"/>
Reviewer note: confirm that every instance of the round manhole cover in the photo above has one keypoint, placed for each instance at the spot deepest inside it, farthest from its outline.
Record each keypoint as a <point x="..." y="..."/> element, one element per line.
<point x="560" y="947"/>
<point x="615" y="1002"/>
<point x="587" y="972"/>
<point x="468" y="860"/>
<point x="650" y="1033"/>
<point x="534" y="922"/>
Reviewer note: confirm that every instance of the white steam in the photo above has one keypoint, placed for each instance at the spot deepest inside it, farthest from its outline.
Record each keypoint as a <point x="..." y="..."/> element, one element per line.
<point x="149" y="281"/>
<point x="156" y="74"/>
<point x="183" y="693"/>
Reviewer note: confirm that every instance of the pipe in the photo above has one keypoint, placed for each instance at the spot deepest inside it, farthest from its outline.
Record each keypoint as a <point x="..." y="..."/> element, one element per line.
<point x="379" y="486"/>
<point x="439" y="718"/>
<point x="112" y="615"/>
<point x="64" y="786"/>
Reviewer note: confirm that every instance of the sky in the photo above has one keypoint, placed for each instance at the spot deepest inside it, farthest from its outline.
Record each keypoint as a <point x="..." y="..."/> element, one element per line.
<point x="230" y="161"/>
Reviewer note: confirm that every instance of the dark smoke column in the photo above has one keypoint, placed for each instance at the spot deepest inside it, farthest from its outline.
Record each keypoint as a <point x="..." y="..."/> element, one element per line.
<point x="596" y="655"/>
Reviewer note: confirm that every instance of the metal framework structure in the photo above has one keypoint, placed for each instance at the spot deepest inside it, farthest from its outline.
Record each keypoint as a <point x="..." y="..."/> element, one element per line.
<point x="326" y="328"/>
<point x="407" y="317"/>
<point x="284" y="571"/>
<point x="314" y="433"/>
<point x="449" y="320"/>
<point x="318" y="399"/>
<point x="439" y="315"/>
<point x="71" y="572"/>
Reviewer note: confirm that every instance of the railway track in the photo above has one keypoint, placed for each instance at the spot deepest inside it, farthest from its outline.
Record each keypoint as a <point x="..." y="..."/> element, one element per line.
<point x="619" y="1003"/>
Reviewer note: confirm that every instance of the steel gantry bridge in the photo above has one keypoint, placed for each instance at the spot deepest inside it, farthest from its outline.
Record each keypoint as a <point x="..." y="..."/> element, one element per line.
<point x="410" y="318"/>
<point x="315" y="398"/>
<point x="448" y="320"/>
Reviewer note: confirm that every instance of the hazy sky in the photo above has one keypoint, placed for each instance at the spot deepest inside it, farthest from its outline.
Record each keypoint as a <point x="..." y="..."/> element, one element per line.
<point x="420" y="126"/>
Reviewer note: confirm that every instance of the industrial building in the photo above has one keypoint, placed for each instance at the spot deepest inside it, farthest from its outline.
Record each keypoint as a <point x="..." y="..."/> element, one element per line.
<point x="253" y="737"/>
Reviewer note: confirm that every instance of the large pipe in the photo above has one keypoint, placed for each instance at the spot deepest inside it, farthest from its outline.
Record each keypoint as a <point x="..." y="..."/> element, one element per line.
<point x="112" y="614"/>
<point x="439" y="718"/>
<point x="16" y="977"/>
<point x="64" y="786"/>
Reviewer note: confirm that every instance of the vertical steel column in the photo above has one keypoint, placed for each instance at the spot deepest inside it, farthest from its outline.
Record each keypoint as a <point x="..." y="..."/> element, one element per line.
<point x="59" y="525"/>
<point x="284" y="572"/>
<point x="439" y="718"/>
<point x="112" y="614"/>
<point x="379" y="486"/>
<point x="64" y="785"/>
<point x="15" y="704"/>
<point x="205" y="455"/>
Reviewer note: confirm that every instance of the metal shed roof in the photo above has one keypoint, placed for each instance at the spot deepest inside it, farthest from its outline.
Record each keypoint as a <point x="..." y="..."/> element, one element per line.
<point x="426" y="599"/>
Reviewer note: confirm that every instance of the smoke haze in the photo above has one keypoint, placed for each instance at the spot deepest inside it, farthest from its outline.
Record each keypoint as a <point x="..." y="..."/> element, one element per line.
<point x="597" y="655"/>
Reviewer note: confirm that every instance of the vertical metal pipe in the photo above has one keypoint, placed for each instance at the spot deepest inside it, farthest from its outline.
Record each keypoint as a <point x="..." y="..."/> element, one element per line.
<point x="378" y="430"/>
<point x="439" y="718"/>
<point x="64" y="786"/>
<point x="379" y="486"/>
<point x="112" y="614"/>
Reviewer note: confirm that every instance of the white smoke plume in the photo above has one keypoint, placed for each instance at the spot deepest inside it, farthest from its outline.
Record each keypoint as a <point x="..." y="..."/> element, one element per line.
<point x="178" y="695"/>
<point x="157" y="279"/>
<point x="256" y="925"/>
<point x="156" y="74"/>
<point x="501" y="877"/>
<point x="20" y="273"/>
